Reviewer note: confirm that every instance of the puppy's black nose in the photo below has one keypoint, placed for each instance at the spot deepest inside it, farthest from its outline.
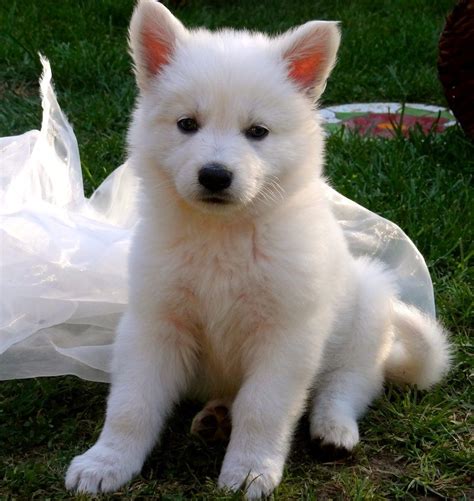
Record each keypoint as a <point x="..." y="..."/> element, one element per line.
<point x="215" y="177"/>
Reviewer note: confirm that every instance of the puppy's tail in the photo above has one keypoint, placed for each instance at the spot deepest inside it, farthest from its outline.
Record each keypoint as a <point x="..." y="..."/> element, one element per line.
<point x="421" y="353"/>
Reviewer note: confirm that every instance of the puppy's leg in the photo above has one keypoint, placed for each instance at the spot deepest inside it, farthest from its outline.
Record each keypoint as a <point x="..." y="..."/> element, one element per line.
<point x="356" y="354"/>
<point x="265" y="412"/>
<point x="342" y="396"/>
<point x="151" y="369"/>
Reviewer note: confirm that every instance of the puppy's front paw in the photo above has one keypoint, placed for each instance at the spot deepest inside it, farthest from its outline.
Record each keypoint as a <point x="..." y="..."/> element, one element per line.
<point x="257" y="479"/>
<point x="100" y="470"/>
<point x="341" y="432"/>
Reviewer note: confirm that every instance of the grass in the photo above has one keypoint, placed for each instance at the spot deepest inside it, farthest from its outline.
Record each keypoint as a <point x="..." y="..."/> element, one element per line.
<point x="414" y="444"/>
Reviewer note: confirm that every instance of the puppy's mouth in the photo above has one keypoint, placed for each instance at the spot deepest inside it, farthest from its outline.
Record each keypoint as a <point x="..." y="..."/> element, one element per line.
<point x="219" y="203"/>
<point x="216" y="200"/>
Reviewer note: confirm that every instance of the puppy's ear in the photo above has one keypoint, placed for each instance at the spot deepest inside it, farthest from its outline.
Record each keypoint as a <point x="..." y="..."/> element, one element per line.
<point x="153" y="35"/>
<point x="310" y="53"/>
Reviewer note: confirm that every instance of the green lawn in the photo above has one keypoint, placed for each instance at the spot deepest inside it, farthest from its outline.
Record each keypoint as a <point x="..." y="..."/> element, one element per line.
<point x="414" y="444"/>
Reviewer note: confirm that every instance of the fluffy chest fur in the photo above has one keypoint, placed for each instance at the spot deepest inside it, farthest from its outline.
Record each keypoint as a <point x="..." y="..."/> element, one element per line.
<point x="212" y="288"/>
<point x="222" y="281"/>
<point x="222" y="296"/>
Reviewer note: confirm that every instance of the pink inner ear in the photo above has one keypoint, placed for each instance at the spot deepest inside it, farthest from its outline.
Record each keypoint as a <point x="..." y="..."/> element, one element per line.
<point x="304" y="71"/>
<point x="156" y="52"/>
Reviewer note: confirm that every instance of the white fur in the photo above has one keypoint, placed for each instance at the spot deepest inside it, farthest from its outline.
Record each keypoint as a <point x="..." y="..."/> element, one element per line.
<point x="257" y="301"/>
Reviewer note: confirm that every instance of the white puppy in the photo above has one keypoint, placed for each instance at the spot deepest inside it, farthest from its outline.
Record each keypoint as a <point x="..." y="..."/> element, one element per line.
<point x="241" y="284"/>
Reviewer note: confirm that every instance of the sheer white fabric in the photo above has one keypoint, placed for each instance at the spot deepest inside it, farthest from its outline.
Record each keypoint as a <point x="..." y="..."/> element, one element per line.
<point x="63" y="257"/>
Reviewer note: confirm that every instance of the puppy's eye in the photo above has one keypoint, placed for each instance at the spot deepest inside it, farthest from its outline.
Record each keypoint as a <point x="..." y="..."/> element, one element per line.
<point x="256" y="132"/>
<point x="187" y="125"/>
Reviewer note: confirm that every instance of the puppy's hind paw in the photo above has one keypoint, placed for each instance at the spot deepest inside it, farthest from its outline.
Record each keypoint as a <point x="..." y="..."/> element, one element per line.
<point x="339" y="432"/>
<point x="213" y="423"/>
<point x="99" y="470"/>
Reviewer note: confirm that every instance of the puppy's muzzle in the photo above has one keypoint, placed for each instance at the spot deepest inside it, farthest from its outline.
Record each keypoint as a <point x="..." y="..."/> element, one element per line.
<point x="215" y="177"/>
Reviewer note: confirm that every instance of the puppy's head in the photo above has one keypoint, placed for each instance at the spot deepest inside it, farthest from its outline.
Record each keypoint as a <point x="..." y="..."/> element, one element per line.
<point x="225" y="120"/>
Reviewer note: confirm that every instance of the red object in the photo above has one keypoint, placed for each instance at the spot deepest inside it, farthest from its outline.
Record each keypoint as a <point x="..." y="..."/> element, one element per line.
<point x="386" y="124"/>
